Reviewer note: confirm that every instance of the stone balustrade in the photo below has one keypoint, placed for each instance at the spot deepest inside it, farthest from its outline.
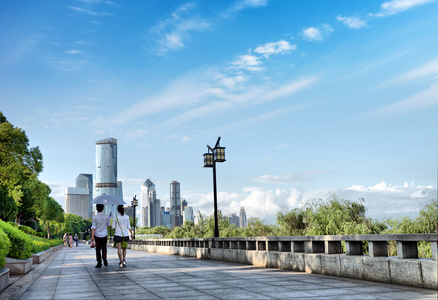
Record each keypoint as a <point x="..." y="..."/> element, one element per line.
<point x="317" y="254"/>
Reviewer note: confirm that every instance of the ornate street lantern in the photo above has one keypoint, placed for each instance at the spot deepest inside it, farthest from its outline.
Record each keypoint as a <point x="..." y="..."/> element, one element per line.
<point x="208" y="160"/>
<point x="219" y="154"/>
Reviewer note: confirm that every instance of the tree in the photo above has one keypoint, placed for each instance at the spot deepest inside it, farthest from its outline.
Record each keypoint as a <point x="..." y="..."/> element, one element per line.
<point x="50" y="210"/>
<point x="18" y="162"/>
<point x="8" y="208"/>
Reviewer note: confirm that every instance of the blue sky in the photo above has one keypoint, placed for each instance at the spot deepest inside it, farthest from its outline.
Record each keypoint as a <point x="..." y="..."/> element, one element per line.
<point x="310" y="98"/>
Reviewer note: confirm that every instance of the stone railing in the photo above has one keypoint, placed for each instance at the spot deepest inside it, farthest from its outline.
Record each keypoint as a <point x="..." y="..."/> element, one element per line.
<point x="317" y="254"/>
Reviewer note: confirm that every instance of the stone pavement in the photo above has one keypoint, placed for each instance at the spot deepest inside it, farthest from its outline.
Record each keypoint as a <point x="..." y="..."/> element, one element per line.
<point x="70" y="274"/>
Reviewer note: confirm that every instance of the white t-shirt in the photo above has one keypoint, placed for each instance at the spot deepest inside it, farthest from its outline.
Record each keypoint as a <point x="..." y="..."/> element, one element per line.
<point x="100" y="222"/>
<point x="124" y="224"/>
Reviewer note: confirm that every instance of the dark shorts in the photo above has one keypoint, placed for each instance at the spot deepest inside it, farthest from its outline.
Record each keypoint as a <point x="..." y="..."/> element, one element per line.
<point x="119" y="239"/>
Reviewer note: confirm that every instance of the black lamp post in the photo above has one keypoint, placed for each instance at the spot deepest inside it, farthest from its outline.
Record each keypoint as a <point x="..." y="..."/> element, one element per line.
<point x="134" y="203"/>
<point x="214" y="155"/>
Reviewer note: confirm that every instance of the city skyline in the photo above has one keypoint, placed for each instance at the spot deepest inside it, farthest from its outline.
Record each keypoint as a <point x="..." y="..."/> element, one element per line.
<point x="310" y="98"/>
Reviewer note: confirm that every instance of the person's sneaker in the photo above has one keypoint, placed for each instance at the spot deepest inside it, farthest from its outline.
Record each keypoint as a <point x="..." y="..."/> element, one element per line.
<point x="105" y="262"/>
<point x="98" y="266"/>
<point x="121" y="265"/>
<point x="124" y="263"/>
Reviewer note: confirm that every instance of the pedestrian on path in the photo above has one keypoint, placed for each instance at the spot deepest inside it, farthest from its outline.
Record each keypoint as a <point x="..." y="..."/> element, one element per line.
<point x="99" y="233"/>
<point x="64" y="238"/>
<point x="76" y="239"/>
<point x="70" y="240"/>
<point x="121" y="234"/>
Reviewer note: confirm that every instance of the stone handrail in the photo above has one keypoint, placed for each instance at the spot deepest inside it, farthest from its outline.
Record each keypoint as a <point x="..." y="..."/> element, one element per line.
<point x="322" y="254"/>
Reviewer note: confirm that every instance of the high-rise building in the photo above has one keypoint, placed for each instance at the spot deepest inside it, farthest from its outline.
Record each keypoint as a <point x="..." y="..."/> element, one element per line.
<point x="106" y="172"/>
<point x="76" y="201"/>
<point x="175" y="204"/>
<point x="188" y="214"/>
<point x="242" y="218"/>
<point x="233" y="219"/>
<point x="86" y="181"/>
<point x="166" y="217"/>
<point x="198" y="218"/>
<point x="151" y="206"/>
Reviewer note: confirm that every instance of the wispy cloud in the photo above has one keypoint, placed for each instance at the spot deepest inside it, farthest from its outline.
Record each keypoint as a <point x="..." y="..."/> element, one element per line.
<point x="280" y="47"/>
<point x="420" y="101"/>
<point x="316" y="34"/>
<point x="172" y="32"/>
<point x="397" y="6"/>
<point x="89" y="12"/>
<point x="248" y="62"/>
<point x="427" y="70"/>
<point x="73" y="51"/>
<point x="291" y="177"/>
<point x="352" y="22"/>
<point x="242" y="5"/>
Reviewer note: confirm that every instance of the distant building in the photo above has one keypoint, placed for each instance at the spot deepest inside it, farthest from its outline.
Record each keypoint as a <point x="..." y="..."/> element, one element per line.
<point x="76" y="201"/>
<point x="188" y="214"/>
<point x="233" y="219"/>
<point x="166" y="217"/>
<point x="242" y="218"/>
<point x="151" y="206"/>
<point x="106" y="172"/>
<point x="198" y="218"/>
<point x="86" y="181"/>
<point x="175" y="204"/>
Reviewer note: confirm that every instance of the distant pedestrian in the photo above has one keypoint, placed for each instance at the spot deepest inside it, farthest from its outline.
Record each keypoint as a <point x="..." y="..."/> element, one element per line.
<point x="65" y="239"/>
<point x="70" y="240"/>
<point x="76" y="239"/>
<point x="121" y="234"/>
<point x="99" y="233"/>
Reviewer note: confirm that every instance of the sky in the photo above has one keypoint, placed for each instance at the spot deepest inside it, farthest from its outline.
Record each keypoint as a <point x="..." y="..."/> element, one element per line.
<point x="310" y="98"/>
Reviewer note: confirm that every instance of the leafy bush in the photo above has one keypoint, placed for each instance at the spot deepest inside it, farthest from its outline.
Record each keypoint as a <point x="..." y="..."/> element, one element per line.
<point x="27" y="230"/>
<point x="13" y="224"/>
<point x="42" y="234"/>
<point x="41" y="244"/>
<point x="32" y="224"/>
<point x="5" y="244"/>
<point x="21" y="245"/>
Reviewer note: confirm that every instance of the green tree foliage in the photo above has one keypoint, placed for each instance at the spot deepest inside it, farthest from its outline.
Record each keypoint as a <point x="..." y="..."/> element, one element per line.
<point x="8" y="207"/>
<point x="5" y="244"/>
<point x="48" y="210"/>
<point x="18" y="162"/>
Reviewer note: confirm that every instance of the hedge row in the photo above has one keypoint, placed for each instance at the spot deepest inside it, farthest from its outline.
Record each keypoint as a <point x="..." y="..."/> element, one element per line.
<point x="21" y="244"/>
<point x="28" y="230"/>
<point x="5" y="244"/>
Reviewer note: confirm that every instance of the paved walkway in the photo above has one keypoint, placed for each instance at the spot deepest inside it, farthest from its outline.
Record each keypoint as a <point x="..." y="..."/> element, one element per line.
<point x="70" y="274"/>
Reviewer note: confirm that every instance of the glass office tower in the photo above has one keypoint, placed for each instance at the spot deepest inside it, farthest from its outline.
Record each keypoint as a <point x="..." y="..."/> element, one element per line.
<point x="106" y="172"/>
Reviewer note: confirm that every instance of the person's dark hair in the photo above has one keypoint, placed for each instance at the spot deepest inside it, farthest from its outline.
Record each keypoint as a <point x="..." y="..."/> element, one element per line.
<point x="99" y="207"/>
<point x="121" y="209"/>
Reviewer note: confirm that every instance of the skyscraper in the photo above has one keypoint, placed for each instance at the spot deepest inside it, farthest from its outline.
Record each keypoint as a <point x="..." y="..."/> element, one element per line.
<point x="175" y="204"/>
<point x="106" y="172"/>
<point x="188" y="214"/>
<point x="85" y="181"/>
<point x="242" y="218"/>
<point x="76" y="201"/>
<point x="150" y="205"/>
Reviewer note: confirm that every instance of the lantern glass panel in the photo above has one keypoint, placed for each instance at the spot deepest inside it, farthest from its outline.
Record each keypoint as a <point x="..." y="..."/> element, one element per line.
<point x="219" y="154"/>
<point x="208" y="160"/>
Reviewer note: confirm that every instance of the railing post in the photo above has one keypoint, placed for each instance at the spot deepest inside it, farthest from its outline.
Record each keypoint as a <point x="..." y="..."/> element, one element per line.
<point x="407" y="249"/>
<point x="434" y="246"/>
<point x="378" y="248"/>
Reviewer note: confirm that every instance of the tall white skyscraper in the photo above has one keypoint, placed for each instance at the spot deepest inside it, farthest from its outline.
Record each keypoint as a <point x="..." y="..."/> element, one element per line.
<point x="242" y="218"/>
<point x="106" y="172"/>
<point x="150" y="205"/>
<point x="85" y="181"/>
<point x="76" y="201"/>
<point x="188" y="214"/>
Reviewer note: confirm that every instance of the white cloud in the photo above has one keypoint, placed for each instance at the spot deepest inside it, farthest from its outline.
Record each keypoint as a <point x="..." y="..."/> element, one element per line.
<point x="73" y="51"/>
<point x="420" y="101"/>
<point x="248" y="62"/>
<point x="397" y="6"/>
<point x="171" y="33"/>
<point x="242" y="5"/>
<point x="428" y="70"/>
<point x="352" y="22"/>
<point x="280" y="47"/>
<point x="312" y="34"/>
<point x="89" y="12"/>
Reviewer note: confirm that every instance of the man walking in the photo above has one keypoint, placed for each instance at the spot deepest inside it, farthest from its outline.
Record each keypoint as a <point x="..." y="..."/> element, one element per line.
<point x="99" y="234"/>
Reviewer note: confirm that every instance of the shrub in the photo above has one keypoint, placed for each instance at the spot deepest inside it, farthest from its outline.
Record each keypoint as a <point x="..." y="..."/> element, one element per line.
<point x="13" y="224"/>
<point x="27" y="230"/>
<point x="41" y="244"/>
<point x="21" y="245"/>
<point x="32" y="224"/>
<point x="5" y="244"/>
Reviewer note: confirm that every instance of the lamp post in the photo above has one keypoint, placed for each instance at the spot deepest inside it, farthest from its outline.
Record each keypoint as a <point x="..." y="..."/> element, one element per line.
<point x="134" y="203"/>
<point x="214" y="155"/>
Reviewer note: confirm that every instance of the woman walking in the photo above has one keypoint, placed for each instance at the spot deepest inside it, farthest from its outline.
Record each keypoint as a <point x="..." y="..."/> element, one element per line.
<point x="121" y="234"/>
